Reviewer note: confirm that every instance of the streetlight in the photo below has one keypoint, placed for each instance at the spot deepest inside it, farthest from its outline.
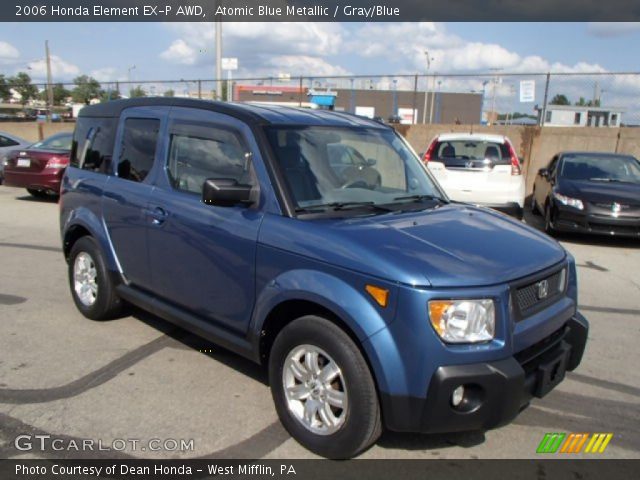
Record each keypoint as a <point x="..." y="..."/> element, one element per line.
<point x="426" y="88"/>
<point x="132" y="67"/>
<point x="395" y="98"/>
<point x="484" y="90"/>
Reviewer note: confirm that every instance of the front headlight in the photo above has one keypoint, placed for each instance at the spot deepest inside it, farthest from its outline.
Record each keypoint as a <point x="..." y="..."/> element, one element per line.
<point x="463" y="321"/>
<point x="570" y="202"/>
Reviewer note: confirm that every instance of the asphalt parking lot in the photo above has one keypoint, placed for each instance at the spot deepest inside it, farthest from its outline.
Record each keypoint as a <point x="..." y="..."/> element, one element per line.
<point x="141" y="378"/>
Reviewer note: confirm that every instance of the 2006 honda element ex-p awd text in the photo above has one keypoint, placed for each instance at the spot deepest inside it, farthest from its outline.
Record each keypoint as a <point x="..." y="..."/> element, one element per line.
<point x="319" y="245"/>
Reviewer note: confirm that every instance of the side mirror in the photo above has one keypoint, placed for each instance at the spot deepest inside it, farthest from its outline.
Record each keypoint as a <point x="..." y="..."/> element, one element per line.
<point x="225" y="192"/>
<point x="544" y="172"/>
<point x="371" y="162"/>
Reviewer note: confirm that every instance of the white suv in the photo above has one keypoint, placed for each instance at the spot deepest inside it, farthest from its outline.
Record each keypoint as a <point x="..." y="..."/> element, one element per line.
<point x="478" y="168"/>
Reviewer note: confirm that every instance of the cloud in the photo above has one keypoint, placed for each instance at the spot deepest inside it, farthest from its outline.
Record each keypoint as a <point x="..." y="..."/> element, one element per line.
<point x="60" y="69"/>
<point x="612" y="29"/>
<point x="259" y="46"/>
<point x="107" y="74"/>
<point x="8" y="52"/>
<point x="180" y="52"/>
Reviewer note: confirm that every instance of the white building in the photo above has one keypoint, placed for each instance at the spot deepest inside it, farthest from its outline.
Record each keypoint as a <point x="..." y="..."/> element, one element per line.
<point x="574" y="116"/>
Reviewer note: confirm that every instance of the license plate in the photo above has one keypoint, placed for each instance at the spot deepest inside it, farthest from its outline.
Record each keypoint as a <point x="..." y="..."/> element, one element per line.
<point x="24" y="162"/>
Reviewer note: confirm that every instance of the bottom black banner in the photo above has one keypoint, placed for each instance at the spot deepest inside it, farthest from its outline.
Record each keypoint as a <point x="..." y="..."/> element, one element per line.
<point x="320" y="469"/>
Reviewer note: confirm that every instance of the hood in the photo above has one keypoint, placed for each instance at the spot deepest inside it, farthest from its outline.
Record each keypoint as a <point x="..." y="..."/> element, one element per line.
<point x="601" y="192"/>
<point x="452" y="246"/>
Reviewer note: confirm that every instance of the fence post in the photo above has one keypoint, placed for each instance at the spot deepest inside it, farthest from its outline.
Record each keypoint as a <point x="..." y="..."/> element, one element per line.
<point x="546" y="97"/>
<point x="200" y="89"/>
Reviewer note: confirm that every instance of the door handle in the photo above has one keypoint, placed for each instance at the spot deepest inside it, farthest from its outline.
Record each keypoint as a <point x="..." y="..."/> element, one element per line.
<point x="157" y="215"/>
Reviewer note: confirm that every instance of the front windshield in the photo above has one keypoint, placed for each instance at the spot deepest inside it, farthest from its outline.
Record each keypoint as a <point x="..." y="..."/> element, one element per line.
<point x="60" y="141"/>
<point x="596" y="168"/>
<point x="338" y="166"/>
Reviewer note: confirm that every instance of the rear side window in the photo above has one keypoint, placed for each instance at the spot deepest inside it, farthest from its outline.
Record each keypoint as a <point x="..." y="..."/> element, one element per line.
<point x="458" y="153"/>
<point x="92" y="147"/>
<point x="138" y="148"/>
<point x="199" y="152"/>
<point x="7" y="142"/>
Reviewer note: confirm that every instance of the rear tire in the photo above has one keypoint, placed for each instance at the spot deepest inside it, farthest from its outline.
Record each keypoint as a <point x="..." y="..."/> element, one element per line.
<point x="335" y="418"/>
<point x="91" y="286"/>
<point x="37" y="193"/>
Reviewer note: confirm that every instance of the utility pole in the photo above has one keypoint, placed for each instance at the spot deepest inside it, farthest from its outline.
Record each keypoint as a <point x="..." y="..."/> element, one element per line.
<point x="218" y="60"/>
<point x="426" y="88"/>
<point x="433" y="88"/>
<point x="49" y="85"/>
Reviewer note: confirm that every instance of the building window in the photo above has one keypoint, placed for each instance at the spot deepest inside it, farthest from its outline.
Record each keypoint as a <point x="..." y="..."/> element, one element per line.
<point x="577" y="118"/>
<point x="548" y="117"/>
<point x="614" y="119"/>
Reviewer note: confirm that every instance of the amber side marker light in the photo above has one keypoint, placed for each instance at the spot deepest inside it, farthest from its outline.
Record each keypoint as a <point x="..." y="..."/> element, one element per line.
<point x="379" y="294"/>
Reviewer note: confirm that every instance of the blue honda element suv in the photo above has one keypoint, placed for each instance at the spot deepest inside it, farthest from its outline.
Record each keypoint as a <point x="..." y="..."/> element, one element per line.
<point x="317" y="244"/>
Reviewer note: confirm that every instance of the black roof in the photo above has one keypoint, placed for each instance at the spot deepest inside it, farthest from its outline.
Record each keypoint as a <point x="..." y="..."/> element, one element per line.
<point x="266" y="114"/>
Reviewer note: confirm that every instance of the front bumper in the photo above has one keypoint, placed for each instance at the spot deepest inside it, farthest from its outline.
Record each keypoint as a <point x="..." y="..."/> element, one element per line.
<point x="572" y="220"/>
<point x="495" y="392"/>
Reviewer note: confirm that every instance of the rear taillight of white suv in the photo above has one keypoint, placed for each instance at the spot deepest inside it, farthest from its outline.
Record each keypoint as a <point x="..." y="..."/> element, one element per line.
<point x="515" y="162"/>
<point x="428" y="155"/>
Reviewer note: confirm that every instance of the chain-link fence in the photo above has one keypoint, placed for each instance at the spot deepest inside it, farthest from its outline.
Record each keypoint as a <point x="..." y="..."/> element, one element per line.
<point x="595" y="99"/>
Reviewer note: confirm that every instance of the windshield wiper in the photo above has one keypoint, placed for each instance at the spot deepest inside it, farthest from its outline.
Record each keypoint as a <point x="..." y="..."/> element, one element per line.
<point x="419" y="198"/>
<point x="337" y="206"/>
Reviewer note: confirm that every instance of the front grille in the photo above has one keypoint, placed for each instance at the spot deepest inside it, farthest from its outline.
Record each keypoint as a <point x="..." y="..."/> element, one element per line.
<point x="531" y="295"/>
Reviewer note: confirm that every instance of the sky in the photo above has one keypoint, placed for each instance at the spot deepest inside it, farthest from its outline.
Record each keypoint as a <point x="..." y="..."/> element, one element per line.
<point x="162" y="51"/>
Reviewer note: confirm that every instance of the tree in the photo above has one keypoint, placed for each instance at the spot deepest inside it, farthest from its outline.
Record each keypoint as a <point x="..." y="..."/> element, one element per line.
<point x="584" y="103"/>
<point x="560" y="99"/>
<point x="5" y="91"/>
<point x="87" y="88"/>
<point x="21" y="83"/>
<point x="60" y="94"/>
<point x="136" y="92"/>
<point x="169" y="93"/>
<point x="110" y="94"/>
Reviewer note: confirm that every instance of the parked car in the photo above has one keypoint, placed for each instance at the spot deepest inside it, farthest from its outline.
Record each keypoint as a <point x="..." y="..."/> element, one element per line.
<point x="478" y="168"/>
<point x="39" y="168"/>
<point x="9" y="142"/>
<point x="589" y="192"/>
<point x="371" y="304"/>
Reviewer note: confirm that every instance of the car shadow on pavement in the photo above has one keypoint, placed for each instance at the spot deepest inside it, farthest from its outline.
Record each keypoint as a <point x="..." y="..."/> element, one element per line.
<point x="31" y="198"/>
<point x="420" y="441"/>
<point x="183" y="339"/>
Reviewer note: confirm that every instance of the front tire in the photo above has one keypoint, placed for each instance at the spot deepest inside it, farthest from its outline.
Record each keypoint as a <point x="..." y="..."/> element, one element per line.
<point x="91" y="286"/>
<point x="548" y="219"/>
<point x="533" y="205"/>
<point x="323" y="390"/>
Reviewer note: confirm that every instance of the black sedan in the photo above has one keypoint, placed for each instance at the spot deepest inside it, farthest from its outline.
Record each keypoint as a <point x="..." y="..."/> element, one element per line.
<point x="589" y="192"/>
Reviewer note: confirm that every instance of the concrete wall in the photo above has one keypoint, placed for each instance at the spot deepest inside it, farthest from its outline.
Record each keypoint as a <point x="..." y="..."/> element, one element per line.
<point x="30" y="130"/>
<point x="537" y="145"/>
<point x="534" y="144"/>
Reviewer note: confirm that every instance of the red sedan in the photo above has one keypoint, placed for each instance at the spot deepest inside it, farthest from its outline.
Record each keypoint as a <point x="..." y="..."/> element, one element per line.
<point x="39" y="168"/>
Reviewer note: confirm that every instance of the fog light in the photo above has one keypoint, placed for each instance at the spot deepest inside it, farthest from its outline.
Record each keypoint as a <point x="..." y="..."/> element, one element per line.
<point x="457" y="396"/>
